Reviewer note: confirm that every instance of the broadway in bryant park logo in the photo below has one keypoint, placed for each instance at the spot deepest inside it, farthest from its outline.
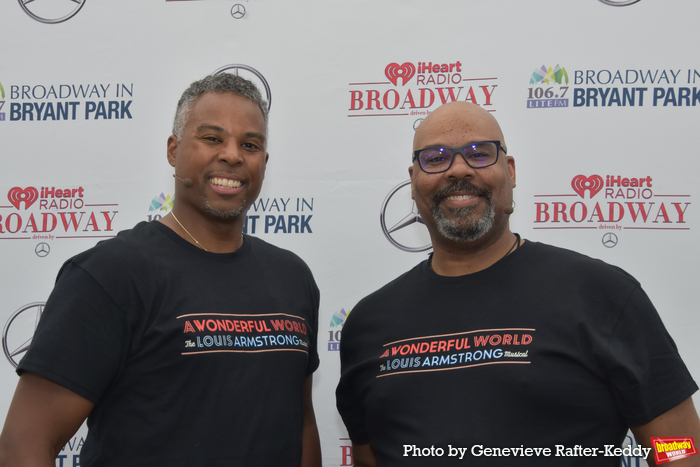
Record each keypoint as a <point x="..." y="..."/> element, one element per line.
<point x="279" y="216"/>
<point x="51" y="102"/>
<point x="612" y="202"/>
<point x="417" y="88"/>
<point x="651" y="87"/>
<point x="50" y="212"/>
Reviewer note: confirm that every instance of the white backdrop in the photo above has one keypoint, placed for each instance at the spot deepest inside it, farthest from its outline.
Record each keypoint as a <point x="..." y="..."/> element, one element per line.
<point x="88" y="100"/>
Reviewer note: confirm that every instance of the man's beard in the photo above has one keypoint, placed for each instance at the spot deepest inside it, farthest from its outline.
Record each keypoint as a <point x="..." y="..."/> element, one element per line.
<point x="224" y="215"/>
<point x="464" y="228"/>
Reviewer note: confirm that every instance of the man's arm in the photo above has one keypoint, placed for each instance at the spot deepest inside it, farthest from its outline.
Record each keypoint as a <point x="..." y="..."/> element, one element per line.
<point x="311" y="444"/>
<point x="42" y="417"/>
<point x="363" y="455"/>
<point x="681" y="421"/>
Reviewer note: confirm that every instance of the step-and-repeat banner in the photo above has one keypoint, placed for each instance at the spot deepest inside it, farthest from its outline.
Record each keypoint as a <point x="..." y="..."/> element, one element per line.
<point x="599" y="101"/>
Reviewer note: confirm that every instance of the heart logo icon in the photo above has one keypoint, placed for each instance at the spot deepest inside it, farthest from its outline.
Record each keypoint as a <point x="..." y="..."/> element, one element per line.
<point x="394" y="71"/>
<point x="17" y="195"/>
<point x="581" y="183"/>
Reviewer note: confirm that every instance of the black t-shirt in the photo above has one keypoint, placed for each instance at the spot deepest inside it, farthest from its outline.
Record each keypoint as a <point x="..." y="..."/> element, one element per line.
<point x="192" y="358"/>
<point x="546" y="347"/>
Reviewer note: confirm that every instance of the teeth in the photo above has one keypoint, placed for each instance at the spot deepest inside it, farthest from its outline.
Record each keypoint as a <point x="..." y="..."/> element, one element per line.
<point x="225" y="182"/>
<point x="460" y="197"/>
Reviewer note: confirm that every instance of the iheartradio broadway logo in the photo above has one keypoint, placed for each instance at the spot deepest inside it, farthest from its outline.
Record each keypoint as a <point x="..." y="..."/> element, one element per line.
<point x="613" y="202"/>
<point x="48" y="212"/>
<point x="416" y="88"/>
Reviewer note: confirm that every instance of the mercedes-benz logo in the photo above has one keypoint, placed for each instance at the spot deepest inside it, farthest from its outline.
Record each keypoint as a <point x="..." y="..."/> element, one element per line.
<point x="257" y="76"/>
<point x="238" y="11"/>
<point x="619" y="2"/>
<point x="609" y="240"/>
<point x="42" y="249"/>
<point x="416" y="123"/>
<point x="19" y="331"/>
<point x="51" y="11"/>
<point x="394" y="221"/>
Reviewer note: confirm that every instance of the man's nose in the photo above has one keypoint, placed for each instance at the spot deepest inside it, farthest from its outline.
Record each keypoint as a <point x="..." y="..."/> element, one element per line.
<point x="459" y="168"/>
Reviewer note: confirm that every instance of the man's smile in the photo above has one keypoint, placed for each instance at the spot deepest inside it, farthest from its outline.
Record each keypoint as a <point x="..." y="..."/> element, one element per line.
<point x="225" y="182"/>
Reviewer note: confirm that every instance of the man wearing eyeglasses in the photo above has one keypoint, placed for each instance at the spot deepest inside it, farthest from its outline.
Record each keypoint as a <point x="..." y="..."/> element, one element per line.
<point x="501" y="351"/>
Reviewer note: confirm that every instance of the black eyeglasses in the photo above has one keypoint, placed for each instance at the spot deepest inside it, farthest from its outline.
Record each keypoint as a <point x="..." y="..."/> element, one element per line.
<point x="477" y="155"/>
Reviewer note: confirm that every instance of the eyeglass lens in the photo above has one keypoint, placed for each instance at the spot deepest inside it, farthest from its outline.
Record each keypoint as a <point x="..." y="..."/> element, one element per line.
<point x="476" y="154"/>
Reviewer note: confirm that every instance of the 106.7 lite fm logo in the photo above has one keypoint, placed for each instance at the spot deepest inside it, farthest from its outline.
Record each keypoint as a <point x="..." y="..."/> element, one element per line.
<point x="555" y="87"/>
<point x="50" y="212"/>
<point x="2" y="103"/>
<point x="336" y="329"/>
<point x="612" y="202"/>
<point x="415" y="88"/>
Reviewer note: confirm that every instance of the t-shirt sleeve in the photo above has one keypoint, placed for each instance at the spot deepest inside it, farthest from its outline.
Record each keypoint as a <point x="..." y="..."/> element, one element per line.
<point x="82" y="337"/>
<point x="314" y="359"/>
<point x="647" y="375"/>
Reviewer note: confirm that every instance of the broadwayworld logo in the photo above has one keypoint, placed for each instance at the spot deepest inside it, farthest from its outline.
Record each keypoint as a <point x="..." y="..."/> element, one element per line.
<point x="670" y="449"/>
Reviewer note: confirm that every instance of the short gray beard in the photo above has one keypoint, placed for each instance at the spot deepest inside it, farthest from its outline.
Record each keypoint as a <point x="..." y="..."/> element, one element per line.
<point x="463" y="229"/>
<point x="224" y="215"/>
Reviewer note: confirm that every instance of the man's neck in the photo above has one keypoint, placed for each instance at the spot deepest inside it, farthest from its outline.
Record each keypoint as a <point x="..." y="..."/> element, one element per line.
<point x="462" y="258"/>
<point x="209" y="234"/>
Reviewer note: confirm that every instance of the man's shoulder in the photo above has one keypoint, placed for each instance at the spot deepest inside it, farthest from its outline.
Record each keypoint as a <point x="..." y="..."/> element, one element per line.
<point x="566" y="262"/>
<point x="272" y="256"/>
<point x="126" y="246"/>
<point x="399" y="287"/>
<point x="262" y="247"/>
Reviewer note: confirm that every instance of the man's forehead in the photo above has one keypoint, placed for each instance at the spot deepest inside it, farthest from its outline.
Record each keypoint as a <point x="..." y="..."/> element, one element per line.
<point x="460" y="121"/>
<point x="210" y="105"/>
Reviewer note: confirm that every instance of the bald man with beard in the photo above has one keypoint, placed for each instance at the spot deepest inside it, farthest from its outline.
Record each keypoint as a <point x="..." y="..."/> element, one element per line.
<point x="495" y="342"/>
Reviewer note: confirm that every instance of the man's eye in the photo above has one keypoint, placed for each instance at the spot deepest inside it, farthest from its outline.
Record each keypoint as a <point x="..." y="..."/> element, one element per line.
<point x="435" y="158"/>
<point x="251" y="146"/>
<point x="479" y="155"/>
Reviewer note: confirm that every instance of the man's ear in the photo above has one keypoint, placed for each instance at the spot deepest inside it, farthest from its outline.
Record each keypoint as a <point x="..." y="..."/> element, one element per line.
<point x="511" y="168"/>
<point x="173" y="144"/>
<point x="410" y="174"/>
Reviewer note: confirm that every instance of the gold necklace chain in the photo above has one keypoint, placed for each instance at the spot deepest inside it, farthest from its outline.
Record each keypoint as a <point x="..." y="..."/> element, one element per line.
<point x="187" y="232"/>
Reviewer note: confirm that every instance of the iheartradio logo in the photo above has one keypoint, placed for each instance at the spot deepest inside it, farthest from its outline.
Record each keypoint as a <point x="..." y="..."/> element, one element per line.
<point x="581" y="183"/>
<point x="394" y="71"/>
<point x="18" y="195"/>
<point x="411" y="89"/>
